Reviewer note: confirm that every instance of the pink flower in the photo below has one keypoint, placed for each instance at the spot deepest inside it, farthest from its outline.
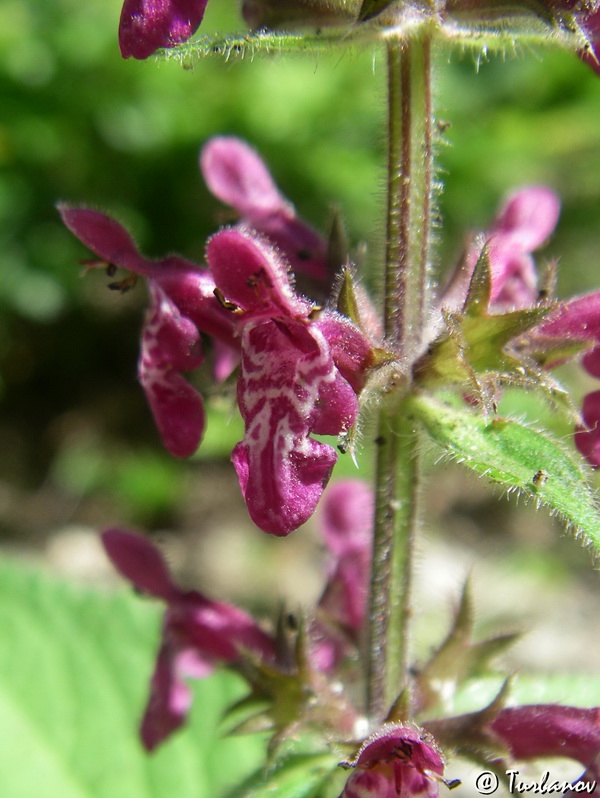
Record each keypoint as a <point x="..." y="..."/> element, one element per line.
<point x="148" y="25"/>
<point x="197" y="633"/>
<point x="346" y="522"/>
<point x="238" y="176"/>
<point x="301" y="367"/>
<point x="525" y="221"/>
<point x="547" y="730"/>
<point x="182" y="302"/>
<point x="579" y="319"/>
<point x="397" y="762"/>
<point x="289" y="385"/>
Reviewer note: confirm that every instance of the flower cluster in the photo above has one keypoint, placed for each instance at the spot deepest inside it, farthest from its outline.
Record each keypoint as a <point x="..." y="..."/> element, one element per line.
<point x="399" y="760"/>
<point x="301" y="366"/>
<point x="199" y="633"/>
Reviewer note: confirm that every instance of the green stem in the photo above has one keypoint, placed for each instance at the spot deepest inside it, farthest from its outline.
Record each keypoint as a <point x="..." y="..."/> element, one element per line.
<point x="405" y="304"/>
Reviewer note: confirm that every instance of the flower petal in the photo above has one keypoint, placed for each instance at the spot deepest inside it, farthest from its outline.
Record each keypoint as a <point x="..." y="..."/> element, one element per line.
<point x="171" y="343"/>
<point x="147" y="25"/>
<point x="579" y="318"/>
<point x="108" y="239"/>
<point x="140" y="562"/>
<point x="347" y="517"/>
<point x="214" y="630"/>
<point x="286" y="371"/>
<point x="528" y="217"/>
<point x="237" y="175"/>
<point x="170" y="697"/>
<point x="402" y="762"/>
<point x="546" y="730"/>
<point x="249" y="273"/>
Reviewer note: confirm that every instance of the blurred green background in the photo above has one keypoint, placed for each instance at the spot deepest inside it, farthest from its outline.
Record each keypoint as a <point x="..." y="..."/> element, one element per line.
<point x="79" y="124"/>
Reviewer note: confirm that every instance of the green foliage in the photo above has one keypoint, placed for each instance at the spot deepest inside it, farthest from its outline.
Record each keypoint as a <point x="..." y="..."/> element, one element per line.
<point x="74" y="668"/>
<point x="518" y="457"/>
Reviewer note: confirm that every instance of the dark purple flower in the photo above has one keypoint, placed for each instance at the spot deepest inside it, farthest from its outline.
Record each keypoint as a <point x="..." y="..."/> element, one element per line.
<point x="197" y="633"/>
<point x="182" y="302"/>
<point x="397" y="762"/>
<point x="148" y="25"/>
<point x="289" y="385"/>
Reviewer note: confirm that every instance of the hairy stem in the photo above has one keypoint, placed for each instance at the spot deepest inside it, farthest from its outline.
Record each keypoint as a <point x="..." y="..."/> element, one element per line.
<point x="406" y="277"/>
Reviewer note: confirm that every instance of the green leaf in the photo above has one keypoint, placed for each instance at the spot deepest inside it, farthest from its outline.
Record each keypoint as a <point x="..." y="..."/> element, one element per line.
<point x="297" y="776"/>
<point x="74" y="671"/>
<point x="517" y="456"/>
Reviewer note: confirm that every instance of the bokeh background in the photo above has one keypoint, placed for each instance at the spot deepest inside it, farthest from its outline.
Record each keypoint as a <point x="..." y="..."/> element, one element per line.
<point x="78" y="450"/>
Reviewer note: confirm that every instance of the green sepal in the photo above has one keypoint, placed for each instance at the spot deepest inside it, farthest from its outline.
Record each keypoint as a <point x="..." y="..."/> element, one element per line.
<point x="247" y="716"/>
<point x="295" y="776"/>
<point x="517" y="456"/>
<point x="337" y="255"/>
<point x="459" y="658"/>
<point x="371" y="8"/>
<point x="347" y="303"/>
<point x="547" y="352"/>
<point x="469" y="734"/>
<point x="475" y="342"/>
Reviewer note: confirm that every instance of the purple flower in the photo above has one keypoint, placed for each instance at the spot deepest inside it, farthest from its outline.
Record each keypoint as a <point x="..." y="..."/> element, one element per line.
<point x="182" y="302"/>
<point x="346" y="522"/>
<point x="289" y="385"/>
<point x="525" y="221"/>
<point x="547" y="730"/>
<point x="197" y="633"/>
<point x="238" y="176"/>
<point x="537" y="731"/>
<point x="397" y="762"/>
<point x="302" y="367"/>
<point x="579" y="320"/>
<point x="147" y="25"/>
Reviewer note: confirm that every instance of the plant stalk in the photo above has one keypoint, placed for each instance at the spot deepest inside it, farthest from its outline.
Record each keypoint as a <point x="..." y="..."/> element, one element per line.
<point x="406" y="278"/>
